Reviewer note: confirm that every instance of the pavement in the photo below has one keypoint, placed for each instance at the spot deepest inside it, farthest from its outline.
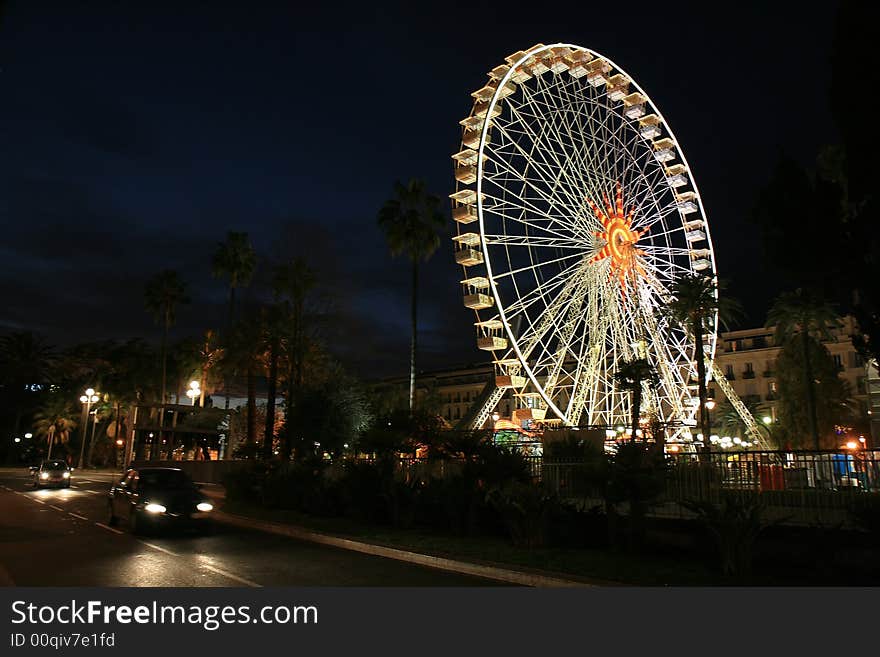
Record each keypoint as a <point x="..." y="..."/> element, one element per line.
<point x="61" y="538"/>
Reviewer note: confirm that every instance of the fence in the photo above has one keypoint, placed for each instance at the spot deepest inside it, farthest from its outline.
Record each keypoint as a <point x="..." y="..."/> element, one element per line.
<point x="804" y="488"/>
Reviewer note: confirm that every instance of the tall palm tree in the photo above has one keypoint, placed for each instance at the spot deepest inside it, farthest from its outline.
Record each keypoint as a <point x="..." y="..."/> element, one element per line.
<point x="694" y="304"/>
<point x="210" y="354"/>
<point x="54" y="420"/>
<point x="162" y="295"/>
<point x="803" y="314"/>
<point x="632" y="376"/>
<point x="26" y="360"/>
<point x="244" y="354"/>
<point x="292" y="284"/>
<point x="235" y="261"/>
<point x="412" y="221"/>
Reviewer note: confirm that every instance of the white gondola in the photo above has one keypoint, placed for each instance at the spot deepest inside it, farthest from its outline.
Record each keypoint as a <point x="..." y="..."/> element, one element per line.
<point x="635" y="105"/>
<point x="481" y="110"/>
<point x="664" y="150"/>
<point x="478" y="301"/>
<point x="466" y="157"/>
<point x="675" y="175"/>
<point x="467" y="239"/>
<point x="491" y="343"/>
<point x="694" y="236"/>
<point x="464" y="196"/>
<point x="649" y="126"/>
<point x="468" y="257"/>
<point x="596" y="72"/>
<point x="618" y="87"/>
<point x="466" y="175"/>
<point x="464" y="214"/>
<point x="506" y="381"/>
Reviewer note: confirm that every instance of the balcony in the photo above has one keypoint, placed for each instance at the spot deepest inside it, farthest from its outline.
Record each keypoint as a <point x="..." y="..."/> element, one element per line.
<point x="768" y="374"/>
<point x="730" y="376"/>
<point x="748" y="374"/>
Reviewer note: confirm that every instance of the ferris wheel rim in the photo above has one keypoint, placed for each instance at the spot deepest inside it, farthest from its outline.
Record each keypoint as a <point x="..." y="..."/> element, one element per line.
<point x="490" y="272"/>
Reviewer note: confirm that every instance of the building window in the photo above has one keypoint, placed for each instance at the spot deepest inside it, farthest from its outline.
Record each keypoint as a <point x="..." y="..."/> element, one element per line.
<point x="838" y="361"/>
<point x="729" y="373"/>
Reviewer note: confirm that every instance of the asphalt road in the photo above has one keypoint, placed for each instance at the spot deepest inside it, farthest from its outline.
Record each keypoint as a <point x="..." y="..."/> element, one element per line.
<point x="59" y="537"/>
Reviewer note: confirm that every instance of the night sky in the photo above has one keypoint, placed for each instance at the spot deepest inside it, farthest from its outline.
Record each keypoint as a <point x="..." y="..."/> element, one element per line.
<point x="133" y="136"/>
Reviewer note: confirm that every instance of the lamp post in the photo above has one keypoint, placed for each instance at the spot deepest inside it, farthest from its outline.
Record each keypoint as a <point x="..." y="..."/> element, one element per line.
<point x="194" y="392"/>
<point x="89" y="398"/>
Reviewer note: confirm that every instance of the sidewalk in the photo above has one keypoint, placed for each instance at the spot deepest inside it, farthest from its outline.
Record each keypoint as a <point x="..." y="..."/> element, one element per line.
<point x="486" y="570"/>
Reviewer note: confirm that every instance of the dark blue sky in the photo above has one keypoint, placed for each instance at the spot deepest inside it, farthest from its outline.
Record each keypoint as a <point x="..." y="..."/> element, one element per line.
<point x="134" y="135"/>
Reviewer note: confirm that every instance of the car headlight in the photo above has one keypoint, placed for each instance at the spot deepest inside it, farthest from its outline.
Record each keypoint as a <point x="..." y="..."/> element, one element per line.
<point x="204" y="506"/>
<point x="66" y="475"/>
<point x="44" y="475"/>
<point x="152" y="507"/>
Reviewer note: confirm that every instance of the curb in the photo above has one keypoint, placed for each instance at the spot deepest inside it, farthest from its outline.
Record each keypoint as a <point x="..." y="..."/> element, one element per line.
<point x="441" y="563"/>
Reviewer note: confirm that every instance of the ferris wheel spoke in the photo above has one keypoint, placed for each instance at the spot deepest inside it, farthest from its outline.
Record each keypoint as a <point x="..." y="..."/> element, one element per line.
<point x="544" y="167"/>
<point x="526" y="300"/>
<point x="530" y="241"/>
<point x="533" y="267"/>
<point x="524" y="206"/>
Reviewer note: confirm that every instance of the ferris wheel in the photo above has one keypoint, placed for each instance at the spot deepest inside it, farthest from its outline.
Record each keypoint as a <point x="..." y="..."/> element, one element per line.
<point x="576" y="212"/>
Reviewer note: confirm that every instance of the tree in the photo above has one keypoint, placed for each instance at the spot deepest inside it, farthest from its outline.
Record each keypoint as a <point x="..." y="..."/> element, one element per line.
<point x="333" y="415"/>
<point x="26" y="365"/>
<point x="632" y="376"/>
<point x="830" y="396"/>
<point x="54" y="421"/>
<point x="243" y="353"/>
<point x="412" y="222"/>
<point x="694" y="305"/>
<point x="163" y="294"/>
<point x="801" y="315"/>
<point x="234" y="260"/>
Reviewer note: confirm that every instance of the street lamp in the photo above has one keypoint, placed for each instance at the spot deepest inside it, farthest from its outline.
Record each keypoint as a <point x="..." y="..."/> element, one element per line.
<point x="89" y="398"/>
<point x="767" y="419"/>
<point x="193" y="393"/>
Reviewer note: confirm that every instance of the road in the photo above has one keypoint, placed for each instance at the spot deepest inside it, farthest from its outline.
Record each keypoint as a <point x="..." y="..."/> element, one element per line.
<point x="60" y="537"/>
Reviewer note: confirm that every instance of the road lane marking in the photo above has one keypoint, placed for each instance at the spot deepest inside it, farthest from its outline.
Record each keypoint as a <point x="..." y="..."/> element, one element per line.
<point x="236" y="578"/>
<point x="34" y="499"/>
<point x="76" y="515"/>
<point x="57" y="508"/>
<point x="161" y="549"/>
<point x="103" y="526"/>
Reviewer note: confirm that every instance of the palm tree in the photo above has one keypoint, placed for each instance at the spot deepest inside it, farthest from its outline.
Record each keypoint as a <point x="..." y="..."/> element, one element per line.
<point x="412" y="221"/>
<point x="805" y="314"/>
<point x="26" y="360"/>
<point x="54" y="420"/>
<point x="631" y="376"/>
<point x="292" y="284"/>
<point x="163" y="293"/>
<point x="243" y="353"/>
<point x="210" y="354"/>
<point x="234" y="260"/>
<point x="694" y="305"/>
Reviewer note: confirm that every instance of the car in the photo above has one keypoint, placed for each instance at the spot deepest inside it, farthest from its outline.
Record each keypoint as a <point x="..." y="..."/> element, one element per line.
<point x="154" y="498"/>
<point x="51" y="473"/>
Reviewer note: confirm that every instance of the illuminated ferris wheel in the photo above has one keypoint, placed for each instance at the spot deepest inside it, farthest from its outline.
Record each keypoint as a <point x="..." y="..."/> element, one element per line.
<point x="576" y="212"/>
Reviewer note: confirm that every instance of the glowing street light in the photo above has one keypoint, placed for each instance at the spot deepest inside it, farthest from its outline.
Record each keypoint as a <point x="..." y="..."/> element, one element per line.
<point x="89" y="398"/>
<point x="193" y="392"/>
<point x="710" y="404"/>
<point x="767" y="419"/>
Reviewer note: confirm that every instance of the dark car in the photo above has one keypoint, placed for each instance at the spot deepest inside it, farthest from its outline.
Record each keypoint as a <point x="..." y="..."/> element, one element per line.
<point x="151" y="498"/>
<point x="51" y="473"/>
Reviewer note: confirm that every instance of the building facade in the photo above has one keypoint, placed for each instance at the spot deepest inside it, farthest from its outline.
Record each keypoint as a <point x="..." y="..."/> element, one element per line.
<point x="747" y="357"/>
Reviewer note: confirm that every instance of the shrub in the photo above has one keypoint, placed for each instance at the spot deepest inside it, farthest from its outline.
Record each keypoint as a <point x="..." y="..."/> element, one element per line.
<point x="734" y="524"/>
<point x="526" y="511"/>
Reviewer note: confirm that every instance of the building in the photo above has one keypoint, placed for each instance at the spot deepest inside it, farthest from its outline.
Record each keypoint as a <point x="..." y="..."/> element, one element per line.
<point x="748" y="360"/>
<point x="747" y="357"/>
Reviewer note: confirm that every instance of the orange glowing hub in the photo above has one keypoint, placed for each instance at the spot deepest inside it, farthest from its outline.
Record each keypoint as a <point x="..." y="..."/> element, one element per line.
<point x="619" y="238"/>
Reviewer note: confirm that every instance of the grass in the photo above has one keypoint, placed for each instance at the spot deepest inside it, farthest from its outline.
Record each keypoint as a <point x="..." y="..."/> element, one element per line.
<point x="600" y="565"/>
